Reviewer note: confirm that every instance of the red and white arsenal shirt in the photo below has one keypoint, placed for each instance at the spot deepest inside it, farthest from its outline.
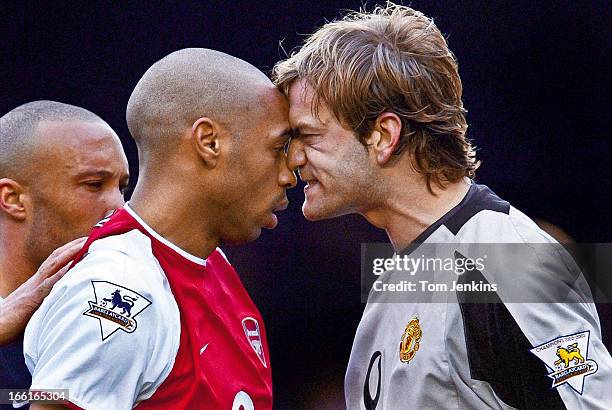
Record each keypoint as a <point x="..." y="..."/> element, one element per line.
<point x="139" y="321"/>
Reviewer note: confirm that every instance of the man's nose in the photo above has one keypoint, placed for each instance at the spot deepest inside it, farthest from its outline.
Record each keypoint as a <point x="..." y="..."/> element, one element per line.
<point x="286" y="176"/>
<point x="295" y="155"/>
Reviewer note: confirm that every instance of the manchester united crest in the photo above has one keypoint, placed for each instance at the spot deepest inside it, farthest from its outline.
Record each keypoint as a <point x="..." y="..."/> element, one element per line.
<point x="411" y="340"/>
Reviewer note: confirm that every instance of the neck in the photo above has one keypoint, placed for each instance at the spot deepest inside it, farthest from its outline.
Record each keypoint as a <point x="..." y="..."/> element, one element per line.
<point x="170" y="211"/>
<point x="410" y="208"/>
<point x="15" y="266"/>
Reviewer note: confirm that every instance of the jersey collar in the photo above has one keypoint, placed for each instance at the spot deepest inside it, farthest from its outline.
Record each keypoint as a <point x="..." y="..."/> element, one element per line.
<point x="163" y="240"/>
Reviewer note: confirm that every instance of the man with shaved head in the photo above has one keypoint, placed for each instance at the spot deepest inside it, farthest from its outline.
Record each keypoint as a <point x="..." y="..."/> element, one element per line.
<point x="153" y="313"/>
<point x="61" y="169"/>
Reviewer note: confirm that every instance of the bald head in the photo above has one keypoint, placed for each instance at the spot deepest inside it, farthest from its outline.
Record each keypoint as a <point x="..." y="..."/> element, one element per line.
<point x="189" y="84"/>
<point x="19" y="134"/>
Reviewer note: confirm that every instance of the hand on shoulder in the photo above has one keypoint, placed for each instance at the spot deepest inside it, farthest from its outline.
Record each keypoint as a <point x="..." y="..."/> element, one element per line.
<point x="18" y="307"/>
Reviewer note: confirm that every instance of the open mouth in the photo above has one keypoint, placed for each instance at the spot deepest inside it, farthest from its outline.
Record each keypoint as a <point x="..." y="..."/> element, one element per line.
<point x="310" y="184"/>
<point x="273" y="219"/>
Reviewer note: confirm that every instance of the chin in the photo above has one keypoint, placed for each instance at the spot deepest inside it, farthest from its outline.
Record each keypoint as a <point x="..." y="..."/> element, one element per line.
<point x="240" y="238"/>
<point x="312" y="213"/>
<point x="309" y="212"/>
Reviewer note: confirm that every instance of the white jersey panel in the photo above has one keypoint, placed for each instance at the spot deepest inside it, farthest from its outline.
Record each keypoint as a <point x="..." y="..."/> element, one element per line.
<point x="118" y="303"/>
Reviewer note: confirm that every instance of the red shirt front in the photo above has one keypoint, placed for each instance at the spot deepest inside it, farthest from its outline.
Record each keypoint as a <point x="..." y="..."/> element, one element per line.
<point x="223" y="359"/>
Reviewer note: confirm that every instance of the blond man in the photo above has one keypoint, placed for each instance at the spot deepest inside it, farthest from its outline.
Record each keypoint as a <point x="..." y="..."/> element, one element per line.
<point x="380" y="130"/>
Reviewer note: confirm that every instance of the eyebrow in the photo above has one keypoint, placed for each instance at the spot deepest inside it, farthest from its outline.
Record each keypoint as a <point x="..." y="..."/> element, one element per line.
<point x="303" y="125"/>
<point x="104" y="174"/>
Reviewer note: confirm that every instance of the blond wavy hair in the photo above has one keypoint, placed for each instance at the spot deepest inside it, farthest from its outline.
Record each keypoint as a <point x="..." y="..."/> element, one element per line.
<point x="393" y="59"/>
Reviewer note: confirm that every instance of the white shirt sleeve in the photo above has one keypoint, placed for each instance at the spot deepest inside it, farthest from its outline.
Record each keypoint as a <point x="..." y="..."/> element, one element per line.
<point x="109" y="331"/>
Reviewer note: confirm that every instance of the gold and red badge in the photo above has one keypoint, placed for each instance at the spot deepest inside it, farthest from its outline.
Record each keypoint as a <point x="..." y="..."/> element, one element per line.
<point x="411" y="340"/>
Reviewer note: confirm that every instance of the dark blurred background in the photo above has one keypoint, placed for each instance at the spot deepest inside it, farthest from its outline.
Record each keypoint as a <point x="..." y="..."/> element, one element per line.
<point x="537" y="86"/>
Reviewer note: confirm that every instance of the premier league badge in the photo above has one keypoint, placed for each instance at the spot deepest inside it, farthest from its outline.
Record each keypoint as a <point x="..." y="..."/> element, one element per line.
<point x="115" y="307"/>
<point x="567" y="359"/>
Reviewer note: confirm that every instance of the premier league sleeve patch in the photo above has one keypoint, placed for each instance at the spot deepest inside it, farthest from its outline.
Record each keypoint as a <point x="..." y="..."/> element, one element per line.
<point x="115" y="307"/>
<point x="567" y="359"/>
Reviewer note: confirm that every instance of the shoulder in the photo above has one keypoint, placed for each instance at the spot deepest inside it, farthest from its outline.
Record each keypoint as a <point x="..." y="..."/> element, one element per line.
<point x="115" y="304"/>
<point x="118" y="277"/>
<point x="126" y="259"/>
<point x="122" y="250"/>
<point x="483" y="217"/>
<point x="493" y="226"/>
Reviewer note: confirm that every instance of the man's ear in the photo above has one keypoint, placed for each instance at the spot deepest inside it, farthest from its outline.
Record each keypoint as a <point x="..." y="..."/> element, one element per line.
<point x="205" y="136"/>
<point x="385" y="136"/>
<point x="12" y="199"/>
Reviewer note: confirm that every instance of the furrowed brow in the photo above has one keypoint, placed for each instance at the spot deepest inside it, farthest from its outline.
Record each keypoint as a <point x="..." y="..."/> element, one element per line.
<point x="100" y="173"/>
<point x="303" y="127"/>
